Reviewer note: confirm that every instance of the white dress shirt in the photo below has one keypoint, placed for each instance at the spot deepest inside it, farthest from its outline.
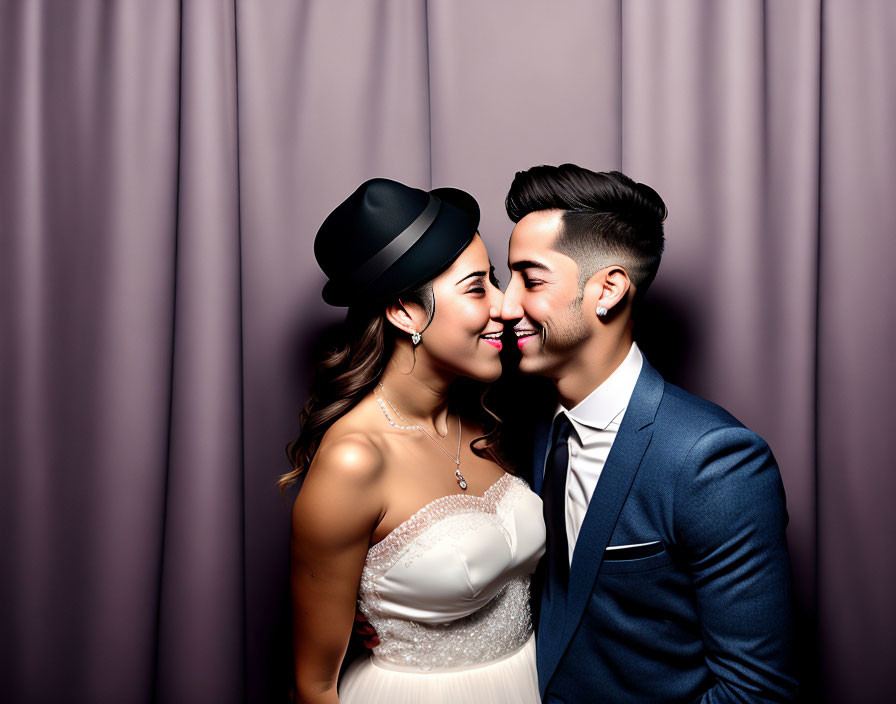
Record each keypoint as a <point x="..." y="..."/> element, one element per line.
<point x="595" y="422"/>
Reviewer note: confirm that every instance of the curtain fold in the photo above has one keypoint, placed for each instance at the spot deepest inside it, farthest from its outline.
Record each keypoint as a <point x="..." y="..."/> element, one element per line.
<point x="164" y="167"/>
<point x="856" y="338"/>
<point x="201" y="618"/>
<point x="88" y="126"/>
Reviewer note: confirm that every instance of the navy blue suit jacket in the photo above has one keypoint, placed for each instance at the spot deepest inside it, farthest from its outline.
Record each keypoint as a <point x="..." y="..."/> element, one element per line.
<point x="704" y="615"/>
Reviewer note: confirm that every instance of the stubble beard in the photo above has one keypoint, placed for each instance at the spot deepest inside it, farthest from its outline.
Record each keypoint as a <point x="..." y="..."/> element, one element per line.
<point x="561" y="339"/>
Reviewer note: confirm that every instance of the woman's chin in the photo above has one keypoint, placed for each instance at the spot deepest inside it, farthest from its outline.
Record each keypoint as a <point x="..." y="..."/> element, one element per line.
<point x="493" y="373"/>
<point x="486" y="373"/>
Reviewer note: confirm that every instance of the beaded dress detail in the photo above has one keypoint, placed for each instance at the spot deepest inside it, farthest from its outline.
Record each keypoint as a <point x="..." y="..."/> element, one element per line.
<point x="448" y="594"/>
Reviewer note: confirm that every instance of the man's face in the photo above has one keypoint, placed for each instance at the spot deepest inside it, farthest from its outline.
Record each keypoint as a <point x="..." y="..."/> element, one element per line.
<point x="542" y="300"/>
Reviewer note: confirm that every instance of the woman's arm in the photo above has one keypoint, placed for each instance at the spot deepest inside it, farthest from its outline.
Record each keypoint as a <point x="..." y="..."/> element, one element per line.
<point x="333" y="518"/>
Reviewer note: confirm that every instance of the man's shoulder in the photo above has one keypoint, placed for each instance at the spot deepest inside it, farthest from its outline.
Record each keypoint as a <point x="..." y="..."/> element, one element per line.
<point x="690" y="430"/>
<point x="684" y="418"/>
<point x="686" y="408"/>
<point x="711" y="447"/>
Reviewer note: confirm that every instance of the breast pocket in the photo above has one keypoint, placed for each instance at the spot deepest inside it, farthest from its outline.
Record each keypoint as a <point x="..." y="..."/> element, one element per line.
<point x="635" y="558"/>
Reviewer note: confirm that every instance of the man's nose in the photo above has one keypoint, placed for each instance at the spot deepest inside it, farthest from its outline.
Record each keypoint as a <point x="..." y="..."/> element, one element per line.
<point x="512" y="308"/>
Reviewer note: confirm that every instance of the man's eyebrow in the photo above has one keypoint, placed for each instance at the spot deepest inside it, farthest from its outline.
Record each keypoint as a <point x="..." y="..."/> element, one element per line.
<point x="527" y="264"/>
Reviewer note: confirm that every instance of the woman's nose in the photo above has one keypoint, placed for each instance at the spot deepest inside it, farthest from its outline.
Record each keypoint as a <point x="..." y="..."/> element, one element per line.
<point x="497" y="303"/>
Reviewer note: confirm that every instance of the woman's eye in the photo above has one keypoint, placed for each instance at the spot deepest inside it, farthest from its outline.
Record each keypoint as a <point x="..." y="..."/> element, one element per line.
<point x="476" y="289"/>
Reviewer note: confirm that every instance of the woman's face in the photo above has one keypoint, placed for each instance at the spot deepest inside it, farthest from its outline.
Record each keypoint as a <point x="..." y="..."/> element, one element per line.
<point x="464" y="336"/>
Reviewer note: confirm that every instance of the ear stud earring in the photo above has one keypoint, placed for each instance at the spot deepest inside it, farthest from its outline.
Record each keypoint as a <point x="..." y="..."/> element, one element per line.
<point x="601" y="311"/>
<point x="415" y="338"/>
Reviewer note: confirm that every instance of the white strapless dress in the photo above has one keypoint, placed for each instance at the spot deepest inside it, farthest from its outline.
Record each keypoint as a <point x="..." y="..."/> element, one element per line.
<point x="448" y="594"/>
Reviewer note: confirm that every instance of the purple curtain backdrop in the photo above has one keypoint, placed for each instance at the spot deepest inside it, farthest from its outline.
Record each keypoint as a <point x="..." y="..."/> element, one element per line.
<point x="163" y="169"/>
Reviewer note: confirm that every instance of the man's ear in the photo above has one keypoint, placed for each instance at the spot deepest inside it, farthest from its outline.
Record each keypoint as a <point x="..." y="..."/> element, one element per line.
<point x="404" y="316"/>
<point x="607" y="288"/>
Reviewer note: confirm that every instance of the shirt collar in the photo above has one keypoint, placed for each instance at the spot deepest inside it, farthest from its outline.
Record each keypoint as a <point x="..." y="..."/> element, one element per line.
<point x="609" y="400"/>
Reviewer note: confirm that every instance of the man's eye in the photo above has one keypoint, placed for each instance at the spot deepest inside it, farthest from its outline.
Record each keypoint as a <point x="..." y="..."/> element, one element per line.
<point x="529" y="283"/>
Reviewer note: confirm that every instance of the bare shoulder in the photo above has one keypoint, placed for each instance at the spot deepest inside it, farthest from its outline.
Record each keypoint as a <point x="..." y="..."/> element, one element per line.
<point x="348" y="455"/>
<point x="342" y="488"/>
<point x="345" y="461"/>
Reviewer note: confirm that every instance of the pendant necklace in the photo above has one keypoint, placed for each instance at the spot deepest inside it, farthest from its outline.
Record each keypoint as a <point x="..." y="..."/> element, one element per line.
<point x="461" y="482"/>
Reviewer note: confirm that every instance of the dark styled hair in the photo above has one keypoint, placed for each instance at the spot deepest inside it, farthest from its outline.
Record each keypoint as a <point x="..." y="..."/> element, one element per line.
<point x="352" y="366"/>
<point x="608" y="218"/>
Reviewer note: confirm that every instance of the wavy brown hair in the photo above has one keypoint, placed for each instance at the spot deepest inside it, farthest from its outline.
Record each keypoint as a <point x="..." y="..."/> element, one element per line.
<point x="352" y="366"/>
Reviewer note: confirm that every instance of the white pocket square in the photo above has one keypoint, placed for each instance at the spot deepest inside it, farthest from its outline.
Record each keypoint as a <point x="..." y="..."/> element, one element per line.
<point x="633" y="545"/>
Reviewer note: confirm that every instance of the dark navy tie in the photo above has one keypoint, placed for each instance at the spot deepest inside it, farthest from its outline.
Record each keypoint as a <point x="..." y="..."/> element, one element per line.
<point x="553" y="496"/>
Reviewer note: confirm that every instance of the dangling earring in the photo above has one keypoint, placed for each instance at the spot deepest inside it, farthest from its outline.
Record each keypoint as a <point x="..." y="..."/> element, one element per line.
<point x="415" y="336"/>
<point x="601" y="311"/>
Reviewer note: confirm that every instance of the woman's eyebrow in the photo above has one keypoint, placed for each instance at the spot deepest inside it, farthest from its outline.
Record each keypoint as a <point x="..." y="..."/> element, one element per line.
<point x="474" y="274"/>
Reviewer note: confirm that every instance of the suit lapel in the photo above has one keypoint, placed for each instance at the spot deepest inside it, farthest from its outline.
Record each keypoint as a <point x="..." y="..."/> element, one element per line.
<point x="613" y="487"/>
<point x="542" y="433"/>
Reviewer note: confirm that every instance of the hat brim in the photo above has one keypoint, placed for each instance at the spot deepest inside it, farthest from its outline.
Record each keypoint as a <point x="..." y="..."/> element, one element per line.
<point x="450" y="234"/>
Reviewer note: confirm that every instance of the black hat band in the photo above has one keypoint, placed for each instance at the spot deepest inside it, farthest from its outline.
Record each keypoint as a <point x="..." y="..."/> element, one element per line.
<point x="392" y="252"/>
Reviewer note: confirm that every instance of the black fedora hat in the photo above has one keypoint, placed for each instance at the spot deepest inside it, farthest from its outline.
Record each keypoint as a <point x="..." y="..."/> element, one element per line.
<point x="386" y="238"/>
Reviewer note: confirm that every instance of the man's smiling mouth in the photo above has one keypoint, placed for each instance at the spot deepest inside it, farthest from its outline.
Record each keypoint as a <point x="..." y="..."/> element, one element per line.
<point x="523" y="336"/>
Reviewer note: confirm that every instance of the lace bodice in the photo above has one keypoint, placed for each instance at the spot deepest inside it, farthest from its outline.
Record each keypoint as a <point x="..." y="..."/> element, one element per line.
<point x="449" y="588"/>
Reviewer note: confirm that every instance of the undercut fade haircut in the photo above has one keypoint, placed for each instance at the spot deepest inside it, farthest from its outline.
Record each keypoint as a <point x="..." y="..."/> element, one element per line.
<point x="608" y="218"/>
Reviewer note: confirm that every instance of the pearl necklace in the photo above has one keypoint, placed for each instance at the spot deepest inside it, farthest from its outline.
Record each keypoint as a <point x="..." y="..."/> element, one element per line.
<point x="461" y="482"/>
